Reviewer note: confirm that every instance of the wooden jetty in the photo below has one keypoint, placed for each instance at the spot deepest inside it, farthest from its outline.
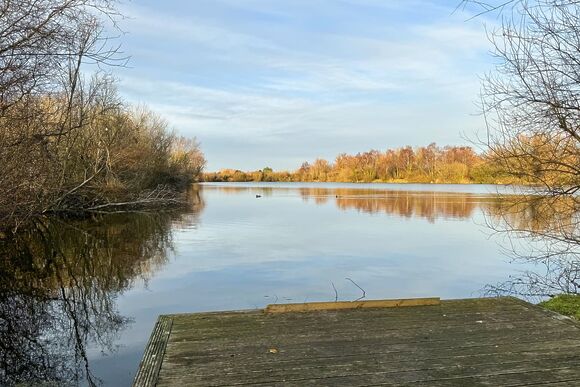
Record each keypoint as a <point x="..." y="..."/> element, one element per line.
<point x="471" y="342"/>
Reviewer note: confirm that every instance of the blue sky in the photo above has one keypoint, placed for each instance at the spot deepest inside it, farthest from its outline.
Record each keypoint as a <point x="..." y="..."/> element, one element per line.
<point x="277" y="82"/>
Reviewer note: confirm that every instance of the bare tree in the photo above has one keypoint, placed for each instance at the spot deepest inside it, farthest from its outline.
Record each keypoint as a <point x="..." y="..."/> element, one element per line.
<point x="45" y="42"/>
<point x="531" y="102"/>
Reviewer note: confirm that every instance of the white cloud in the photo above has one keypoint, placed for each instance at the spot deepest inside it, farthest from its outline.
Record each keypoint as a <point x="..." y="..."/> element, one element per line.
<point x="270" y="83"/>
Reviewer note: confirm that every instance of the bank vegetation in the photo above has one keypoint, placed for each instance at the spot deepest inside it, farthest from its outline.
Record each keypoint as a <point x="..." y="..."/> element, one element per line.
<point x="68" y="142"/>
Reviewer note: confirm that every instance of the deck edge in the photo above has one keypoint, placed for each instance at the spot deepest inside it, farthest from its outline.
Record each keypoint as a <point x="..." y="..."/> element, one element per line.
<point x="152" y="359"/>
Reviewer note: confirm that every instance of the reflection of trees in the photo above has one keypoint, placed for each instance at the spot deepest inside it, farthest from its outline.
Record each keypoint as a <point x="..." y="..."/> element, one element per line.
<point x="408" y="204"/>
<point x="543" y="231"/>
<point x="234" y="190"/>
<point x="549" y="278"/>
<point x="545" y="226"/>
<point x="427" y="205"/>
<point x="58" y="285"/>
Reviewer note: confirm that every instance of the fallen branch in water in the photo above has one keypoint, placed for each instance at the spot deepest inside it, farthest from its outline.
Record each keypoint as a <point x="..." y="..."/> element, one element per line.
<point x="135" y="203"/>
<point x="160" y="196"/>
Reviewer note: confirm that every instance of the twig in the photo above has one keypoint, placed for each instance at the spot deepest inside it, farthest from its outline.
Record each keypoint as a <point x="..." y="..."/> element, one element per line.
<point x="335" y="292"/>
<point x="364" y="294"/>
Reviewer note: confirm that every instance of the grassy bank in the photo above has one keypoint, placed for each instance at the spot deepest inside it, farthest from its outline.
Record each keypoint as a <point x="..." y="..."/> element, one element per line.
<point x="565" y="304"/>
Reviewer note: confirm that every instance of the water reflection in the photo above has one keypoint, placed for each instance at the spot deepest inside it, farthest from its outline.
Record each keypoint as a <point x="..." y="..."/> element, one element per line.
<point x="543" y="232"/>
<point x="430" y="206"/>
<point x="68" y="287"/>
<point x="407" y="204"/>
<point x="540" y="234"/>
<point x="538" y="218"/>
<point x="59" y="281"/>
<point x="547" y="279"/>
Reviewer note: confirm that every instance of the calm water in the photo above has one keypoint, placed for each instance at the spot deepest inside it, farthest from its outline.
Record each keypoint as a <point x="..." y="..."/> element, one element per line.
<point x="89" y="292"/>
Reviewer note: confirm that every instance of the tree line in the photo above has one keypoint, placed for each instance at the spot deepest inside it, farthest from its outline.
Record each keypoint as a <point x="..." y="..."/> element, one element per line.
<point x="68" y="141"/>
<point x="427" y="164"/>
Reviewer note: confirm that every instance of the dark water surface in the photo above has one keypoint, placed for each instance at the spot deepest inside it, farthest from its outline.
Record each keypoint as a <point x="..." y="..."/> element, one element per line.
<point x="78" y="295"/>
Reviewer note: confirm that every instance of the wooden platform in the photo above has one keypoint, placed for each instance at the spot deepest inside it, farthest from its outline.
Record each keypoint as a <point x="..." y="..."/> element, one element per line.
<point x="474" y="342"/>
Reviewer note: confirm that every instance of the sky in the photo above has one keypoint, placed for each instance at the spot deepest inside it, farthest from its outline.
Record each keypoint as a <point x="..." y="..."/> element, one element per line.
<point x="278" y="82"/>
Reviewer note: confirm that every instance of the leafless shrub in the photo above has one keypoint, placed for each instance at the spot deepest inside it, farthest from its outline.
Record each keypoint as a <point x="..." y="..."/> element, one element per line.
<point x="67" y="141"/>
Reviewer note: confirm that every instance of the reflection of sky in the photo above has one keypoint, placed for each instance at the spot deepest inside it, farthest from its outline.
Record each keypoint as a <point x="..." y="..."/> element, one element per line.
<point x="248" y="251"/>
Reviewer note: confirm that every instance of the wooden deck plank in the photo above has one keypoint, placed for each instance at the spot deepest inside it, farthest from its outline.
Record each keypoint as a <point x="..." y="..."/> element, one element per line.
<point x="393" y="369"/>
<point x="382" y="330"/>
<point x="459" y="342"/>
<point x="265" y="360"/>
<point x="469" y="333"/>
<point x="493" y="376"/>
<point x="346" y="318"/>
<point x="446" y="355"/>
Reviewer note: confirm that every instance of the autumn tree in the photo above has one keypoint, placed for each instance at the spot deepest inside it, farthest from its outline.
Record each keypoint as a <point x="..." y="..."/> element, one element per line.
<point x="320" y="170"/>
<point x="427" y="158"/>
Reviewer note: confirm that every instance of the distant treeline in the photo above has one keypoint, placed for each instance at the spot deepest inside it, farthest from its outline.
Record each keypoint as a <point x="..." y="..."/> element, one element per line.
<point x="429" y="164"/>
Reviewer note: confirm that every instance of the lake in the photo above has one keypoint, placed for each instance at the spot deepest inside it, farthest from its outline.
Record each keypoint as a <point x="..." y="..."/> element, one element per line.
<point x="85" y="294"/>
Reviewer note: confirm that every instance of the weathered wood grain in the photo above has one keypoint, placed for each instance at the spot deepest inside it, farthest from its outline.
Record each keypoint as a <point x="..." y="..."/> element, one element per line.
<point x="486" y="342"/>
